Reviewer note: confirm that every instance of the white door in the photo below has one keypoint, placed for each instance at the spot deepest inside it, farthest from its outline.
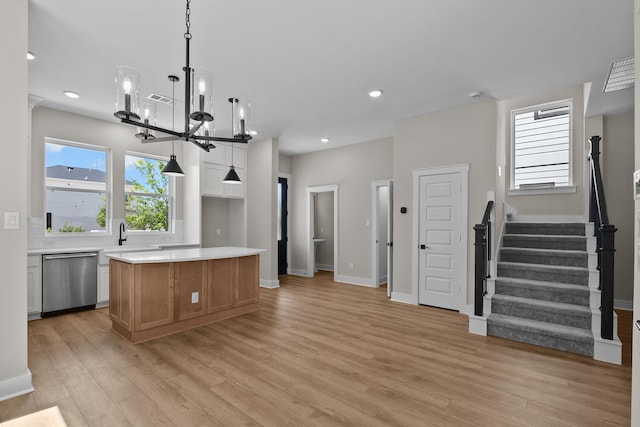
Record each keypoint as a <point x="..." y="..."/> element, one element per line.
<point x="439" y="260"/>
<point x="390" y="242"/>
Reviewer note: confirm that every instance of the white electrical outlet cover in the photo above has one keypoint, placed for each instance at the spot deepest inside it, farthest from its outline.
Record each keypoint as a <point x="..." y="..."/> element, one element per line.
<point x="194" y="297"/>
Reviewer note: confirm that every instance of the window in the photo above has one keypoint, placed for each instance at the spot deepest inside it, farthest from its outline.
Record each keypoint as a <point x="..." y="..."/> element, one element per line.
<point x="76" y="192"/>
<point x="542" y="146"/>
<point x="146" y="193"/>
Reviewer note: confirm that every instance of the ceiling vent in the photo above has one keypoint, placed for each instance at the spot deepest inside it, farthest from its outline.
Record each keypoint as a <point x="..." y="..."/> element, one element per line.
<point x="621" y="75"/>
<point x="162" y="99"/>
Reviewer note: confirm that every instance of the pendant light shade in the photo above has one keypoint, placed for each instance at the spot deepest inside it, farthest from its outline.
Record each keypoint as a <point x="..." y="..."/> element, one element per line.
<point x="172" y="168"/>
<point x="232" y="177"/>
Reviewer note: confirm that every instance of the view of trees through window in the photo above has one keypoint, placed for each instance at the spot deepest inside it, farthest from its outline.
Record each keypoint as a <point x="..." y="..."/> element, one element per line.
<point x="146" y="194"/>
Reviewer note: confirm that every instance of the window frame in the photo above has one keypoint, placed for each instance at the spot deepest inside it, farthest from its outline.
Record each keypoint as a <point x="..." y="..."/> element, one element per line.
<point x="107" y="192"/>
<point x="170" y="196"/>
<point x="568" y="188"/>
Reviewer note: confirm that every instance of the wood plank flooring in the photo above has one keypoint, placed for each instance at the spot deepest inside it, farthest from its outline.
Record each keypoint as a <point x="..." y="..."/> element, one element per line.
<point x="317" y="353"/>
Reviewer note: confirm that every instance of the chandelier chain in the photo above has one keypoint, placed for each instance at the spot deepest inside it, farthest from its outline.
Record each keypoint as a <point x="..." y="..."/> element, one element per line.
<point x="187" y="20"/>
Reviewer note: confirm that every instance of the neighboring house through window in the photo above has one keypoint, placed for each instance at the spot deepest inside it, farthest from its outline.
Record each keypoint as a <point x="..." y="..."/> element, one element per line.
<point x="76" y="190"/>
<point x="147" y="193"/>
<point x="541" y="148"/>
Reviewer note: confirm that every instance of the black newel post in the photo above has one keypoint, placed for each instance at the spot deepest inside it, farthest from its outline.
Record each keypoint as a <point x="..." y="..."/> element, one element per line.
<point x="480" y="274"/>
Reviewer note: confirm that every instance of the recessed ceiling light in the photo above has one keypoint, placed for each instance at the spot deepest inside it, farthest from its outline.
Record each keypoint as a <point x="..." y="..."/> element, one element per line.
<point x="30" y="56"/>
<point x="474" y="94"/>
<point x="71" y="94"/>
<point x="375" y="93"/>
<point x="253" y="132"/>
<point x="324" y="140"/>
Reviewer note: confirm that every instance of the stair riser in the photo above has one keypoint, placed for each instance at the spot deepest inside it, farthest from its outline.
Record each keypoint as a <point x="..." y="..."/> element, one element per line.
<point x="541" y="340"/>
<point x="577" y="260"/>
<point x="515" y="241"/>
<point x="544" y="294"/>
<point x="555" y="275"/>
<point x="535" y="313"/>
<point x="545" y="229"/>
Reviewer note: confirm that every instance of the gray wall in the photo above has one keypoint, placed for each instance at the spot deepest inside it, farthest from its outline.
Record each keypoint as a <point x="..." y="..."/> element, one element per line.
<point x="617" y="162"/>
<point x="15" y="377"/>
<point x="352" y="168"/>
<point x="461" y="135"/>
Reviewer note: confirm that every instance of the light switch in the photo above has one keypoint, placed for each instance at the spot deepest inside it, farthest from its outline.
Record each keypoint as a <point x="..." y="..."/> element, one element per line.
<point x="12" y="220"/>
<point x="195" y="296"/>
<point x="367" y="223"/>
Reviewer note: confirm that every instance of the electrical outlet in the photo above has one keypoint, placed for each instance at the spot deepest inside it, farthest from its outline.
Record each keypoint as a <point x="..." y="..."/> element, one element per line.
<point x="350" y="266"/>
<point x="195" y="297"/>
<point x="367" y="223"/>
<point x="217" y="231"/>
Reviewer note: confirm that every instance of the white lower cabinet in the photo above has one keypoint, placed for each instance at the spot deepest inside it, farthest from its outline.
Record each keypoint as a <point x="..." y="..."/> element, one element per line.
<point x="34" y="284"/>
<point x="103" y="284"/>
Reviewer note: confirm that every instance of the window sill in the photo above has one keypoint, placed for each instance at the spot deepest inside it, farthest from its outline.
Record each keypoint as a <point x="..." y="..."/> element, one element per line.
<point x="541" y="190"/>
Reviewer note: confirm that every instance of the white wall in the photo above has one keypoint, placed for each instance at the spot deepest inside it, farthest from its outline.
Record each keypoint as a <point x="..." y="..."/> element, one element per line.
<point x="462" y="135"/>
<point x="262" y="196"/>
<point x="15" y="377"/>
<point x="352" y="168"/>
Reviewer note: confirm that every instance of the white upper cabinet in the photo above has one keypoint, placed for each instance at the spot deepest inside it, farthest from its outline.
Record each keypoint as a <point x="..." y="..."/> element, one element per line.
<point x="214" y="167"/>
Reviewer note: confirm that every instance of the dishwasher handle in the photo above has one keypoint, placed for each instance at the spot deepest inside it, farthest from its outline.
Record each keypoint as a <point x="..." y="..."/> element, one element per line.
<point x="66" y="256"/>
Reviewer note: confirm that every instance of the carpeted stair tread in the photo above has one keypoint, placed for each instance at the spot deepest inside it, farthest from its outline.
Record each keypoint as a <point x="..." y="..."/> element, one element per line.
<point x="578" y="316"/>
<point x="550" y="291"/>
<point x="566" y="338"/>
<point x="562" y="274"/>
<point x="569" y="258"/>
<point x="541" y="241"/>
<point x="546" y="228"/>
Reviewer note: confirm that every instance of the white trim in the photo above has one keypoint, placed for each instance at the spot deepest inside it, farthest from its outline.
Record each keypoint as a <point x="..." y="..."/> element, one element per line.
<point x="466" y="309"/>
<point x="548" y="218"/>
<point x="287" y="176"/>
<point x="325" y="267"/>
<point x="310" y="244"/>
<point x="623" y="304"/>
<point x="374" y="227"/>
<point x="403" y="298"/>
<point x="16" y="386"/>
<point x="297" y="272"/>
<point x="463" y="170"/>
<point x="360" y="281"/>
<point x="542" y="190"/>
<point x="269" y="284"/>
<point x="478" y="325"/>
<point x="607" y="350"/>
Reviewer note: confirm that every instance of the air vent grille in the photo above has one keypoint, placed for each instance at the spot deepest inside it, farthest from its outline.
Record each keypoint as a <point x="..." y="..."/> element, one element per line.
<point x="162" y="99"/>
<point x="621" y="75"/>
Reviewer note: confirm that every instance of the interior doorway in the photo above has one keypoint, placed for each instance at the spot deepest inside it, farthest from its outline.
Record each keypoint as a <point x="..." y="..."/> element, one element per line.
<point x="382" y="234"/>
<point x="321" y="235"/>
<point x="283" y="224"/>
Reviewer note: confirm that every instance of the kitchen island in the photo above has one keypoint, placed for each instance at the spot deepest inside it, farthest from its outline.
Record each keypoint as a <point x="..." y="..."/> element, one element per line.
<point x="153" y="294"/>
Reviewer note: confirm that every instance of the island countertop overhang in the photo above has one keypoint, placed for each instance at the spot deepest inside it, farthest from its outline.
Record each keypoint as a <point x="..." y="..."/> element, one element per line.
<point x="180" y="255"/>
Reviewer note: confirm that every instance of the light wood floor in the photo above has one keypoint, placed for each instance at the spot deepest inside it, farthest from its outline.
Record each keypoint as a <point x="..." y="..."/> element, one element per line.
<point x="317" y="353"/>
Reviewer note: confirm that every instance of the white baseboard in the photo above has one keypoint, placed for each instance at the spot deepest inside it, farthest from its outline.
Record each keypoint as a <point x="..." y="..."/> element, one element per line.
<point x="623" y="304"/>
<point x="478" y="325"/>
<point x="360" y="281"/>
<point x="607" y="350"/>
<point x="16" y="386"/>
<point x="466" y="309"/>
<point x="403" y="298"/>
<point x="382" y="279"/>
<point x="549" y="218"/>
<point x="324" y="267"/>
<point x="296" y="272"/>
<point x="269" y="284"/>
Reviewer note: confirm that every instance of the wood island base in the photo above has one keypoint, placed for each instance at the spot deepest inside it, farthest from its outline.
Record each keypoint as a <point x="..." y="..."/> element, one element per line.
<point x="153" y="299"/>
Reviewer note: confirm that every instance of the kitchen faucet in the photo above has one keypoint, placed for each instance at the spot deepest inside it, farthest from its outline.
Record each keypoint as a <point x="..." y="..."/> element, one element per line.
<point x="120" y="240"/>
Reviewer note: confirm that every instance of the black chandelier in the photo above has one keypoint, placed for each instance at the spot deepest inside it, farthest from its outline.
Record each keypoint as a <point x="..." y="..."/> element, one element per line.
<point x="198" y="111"/>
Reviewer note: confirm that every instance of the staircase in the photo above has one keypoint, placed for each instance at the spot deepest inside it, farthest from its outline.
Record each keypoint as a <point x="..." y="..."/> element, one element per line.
<point x="542" y="294"/>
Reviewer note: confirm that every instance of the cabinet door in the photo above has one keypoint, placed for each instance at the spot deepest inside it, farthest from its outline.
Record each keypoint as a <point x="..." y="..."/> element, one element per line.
<point x="212" y="176"/>
<point x="190" y="289"/>
<point x="247" y="280"/>
<point x="121" y="293"/>
<point x="153" y="295"/>
<point x="34" y="284"/>
<point x="236" y="190"/>
<point x="103" y="284"/>
<point x="239" y="157"/>
<point x="220" y="278"/>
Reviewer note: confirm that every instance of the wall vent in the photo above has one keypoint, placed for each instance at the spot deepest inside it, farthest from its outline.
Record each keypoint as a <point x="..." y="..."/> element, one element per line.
<point x="162" y="99"/>
<point x="621" y="75"/>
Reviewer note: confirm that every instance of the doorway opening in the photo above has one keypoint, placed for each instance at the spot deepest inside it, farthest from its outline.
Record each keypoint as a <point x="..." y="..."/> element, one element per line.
<point x="381" y="234"/>
<point x="283" y="224"/>
<point x="322" y="229"/>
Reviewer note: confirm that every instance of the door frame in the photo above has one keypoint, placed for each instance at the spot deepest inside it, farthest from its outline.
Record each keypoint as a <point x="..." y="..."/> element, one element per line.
<point x="463" y="171"/>
<point x="374" y="231"/>
<point x="287" y="176"/>
<point x="310" y="220"/>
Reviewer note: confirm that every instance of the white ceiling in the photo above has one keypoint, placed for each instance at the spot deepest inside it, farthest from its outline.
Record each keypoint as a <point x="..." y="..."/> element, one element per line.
<point x="307" y="66"/>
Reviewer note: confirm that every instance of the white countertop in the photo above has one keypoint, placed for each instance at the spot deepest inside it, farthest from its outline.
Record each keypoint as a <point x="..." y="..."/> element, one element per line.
<point x="178" y="255"/>
<point x="109" y="249"/>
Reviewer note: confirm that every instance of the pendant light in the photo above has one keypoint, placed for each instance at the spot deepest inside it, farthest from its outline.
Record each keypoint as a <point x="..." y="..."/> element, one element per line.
<point x="232" y="177"/>
<point x="172" y="168"/>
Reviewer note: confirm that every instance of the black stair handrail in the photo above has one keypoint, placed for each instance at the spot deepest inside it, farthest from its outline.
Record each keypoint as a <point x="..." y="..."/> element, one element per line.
<point x="605" y="238"/>
<point x="482" y="257"/>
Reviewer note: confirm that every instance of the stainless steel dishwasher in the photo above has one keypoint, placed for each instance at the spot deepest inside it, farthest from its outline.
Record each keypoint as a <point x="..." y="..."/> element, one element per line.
<point x="69" y="282"/>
